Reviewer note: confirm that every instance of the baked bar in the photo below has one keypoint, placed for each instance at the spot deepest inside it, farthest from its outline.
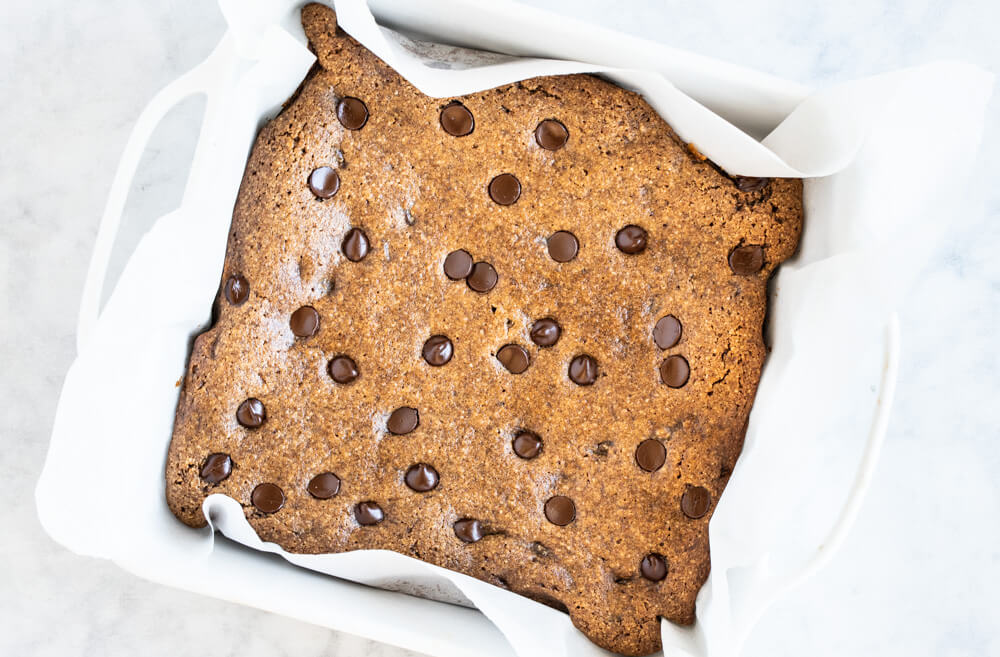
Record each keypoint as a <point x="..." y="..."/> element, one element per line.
<point x="515" y="334"/>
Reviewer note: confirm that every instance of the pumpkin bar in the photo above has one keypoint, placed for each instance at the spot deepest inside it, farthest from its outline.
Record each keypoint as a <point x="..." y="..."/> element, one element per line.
<point x="516" y="334"/>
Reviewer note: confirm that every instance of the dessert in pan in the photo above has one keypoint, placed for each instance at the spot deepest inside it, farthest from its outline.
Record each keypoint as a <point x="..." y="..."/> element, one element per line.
<point x="516" y="334"/>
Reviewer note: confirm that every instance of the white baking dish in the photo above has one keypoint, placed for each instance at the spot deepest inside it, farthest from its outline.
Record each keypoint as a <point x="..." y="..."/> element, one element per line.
<point x="815" y="430"/>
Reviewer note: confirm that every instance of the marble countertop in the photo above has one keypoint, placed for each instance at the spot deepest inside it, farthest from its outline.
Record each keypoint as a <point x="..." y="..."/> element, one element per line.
<point x="917" y="577"/>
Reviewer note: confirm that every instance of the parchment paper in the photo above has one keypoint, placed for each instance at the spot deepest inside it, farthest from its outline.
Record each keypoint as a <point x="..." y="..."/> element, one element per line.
<point x="883" y="156"/>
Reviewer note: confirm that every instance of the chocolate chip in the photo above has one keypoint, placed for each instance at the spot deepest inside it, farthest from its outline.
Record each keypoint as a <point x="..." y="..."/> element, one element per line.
<point x="483" y="277"/>
<point x="560" y="510"/>
<point x="695" y="501"/>
<point x="403" y="420"/>
<point x="653" y="567"/>
<point x="304" y="322"/>
<point x="251" y="413"/>
<point x="437" y="350"/>
<point x="674" y="371"/>
<point x="551" y="134"/>
<point x="268" y="498"/>
<point x="650" y="455"/>
<point x="237" y="290"/>
<point x="324" y="486"/>
<point x="527" y="445"/>
<point x="583" y="370"/>
<point x="667" y="332"/>
<point x="355" y="245"/>
<point x="545" y="332"/>
<point x="746" y="260"/>
<point x="368" y="513"/>
<point x="457" y="120"/>
<point x="748" y="184"/>
<point x="324" y="182"/>
<point x="457" y="265"/>
<point x="469" y="530"/>
<point x="563" y="246"/>
<point x="514" y="357"/>
<point x="421" y="477"/>
<point x="631" y="239"/>
<point x="505" y="189"/>
<point x="217" y="467"/>
<point x="343" y="369"/>
<point x="352" y="113"/>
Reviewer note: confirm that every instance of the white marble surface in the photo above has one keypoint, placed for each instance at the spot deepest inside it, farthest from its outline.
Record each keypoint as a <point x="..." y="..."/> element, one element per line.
<point x="919" y="576"/>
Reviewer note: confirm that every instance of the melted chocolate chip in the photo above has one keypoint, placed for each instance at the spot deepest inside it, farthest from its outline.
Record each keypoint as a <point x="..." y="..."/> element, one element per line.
<point x="674" y="371"/>
<point x="653" y="567"/>
<point x="368" y="513"/>
<point x="514" y="357"/>
<point x="421" y="477"/>
<point x="437" y="350"/>
<point x="748" y="184"/>
<point x="746" y="260"/>
<point x="667" y="332"/>
<point x="560" y="510"/>
<point x="527" y="445"/>
<point x="469" y="530"/>
<point x="650" y="455"/>
<point x="352" y="113"/>
<point x="355" y="246"/>
<point x="324" y="486"/>
<point x="268" y="498"/>
<point x="457" y="120"/>
<point x="505" y="189"/>
<point x="551" y="134"/>
<point x="545" y="332"/>
<point x="695" y="501"/>
<point x="583" y="370"/>
<point x="343" y="369"/>
<point x="217" y="467"/>
<point x="483" y="277"/>
<point x="251" y="413"/>
<point x="458" y="265"/>
<point x="403" y="420"/>
<point x="237" y="290"/>
<point x="563" y="246"/>
<point x="324" y="182"/>
<point x="304" y="322"/>
<point x="631" y="239"/>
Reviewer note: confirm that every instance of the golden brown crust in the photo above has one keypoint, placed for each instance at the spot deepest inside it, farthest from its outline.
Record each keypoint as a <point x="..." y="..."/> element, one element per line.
<point x="420" y="193"/>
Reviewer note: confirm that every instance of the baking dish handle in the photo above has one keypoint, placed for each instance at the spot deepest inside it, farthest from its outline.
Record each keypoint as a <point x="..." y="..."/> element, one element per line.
<point x="776" y="588"/>
<point x="197" y="80"/>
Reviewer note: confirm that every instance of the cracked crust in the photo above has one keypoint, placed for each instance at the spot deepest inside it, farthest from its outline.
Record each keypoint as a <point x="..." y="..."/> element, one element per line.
<point x="419" y="194"/>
